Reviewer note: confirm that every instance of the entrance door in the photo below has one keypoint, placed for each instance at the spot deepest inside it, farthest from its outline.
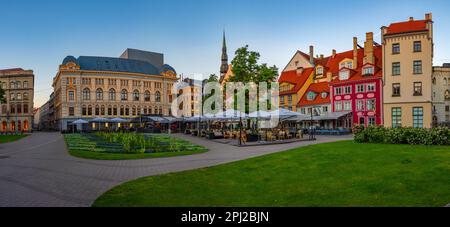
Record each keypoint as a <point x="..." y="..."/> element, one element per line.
<point x="362" y="121"/>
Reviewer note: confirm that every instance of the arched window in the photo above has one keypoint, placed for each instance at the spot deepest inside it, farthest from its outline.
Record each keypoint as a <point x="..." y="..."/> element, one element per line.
<point x="447" y="95"/>
<point x="4" y="126"/>
<point x="99" y="94"/>
<point x="19" y="84"/>
<point x="86" y="94"/>
<point x="112" y="94"/>
<point x="122" y="111"/>
<point x="25" y="125"/>
<point x="115" y="111"/>
<point x="109" y="110"/>
<point x="12" y="108"/>
<point x="134" y="110"/>
<point x="19" y="108"/>
<point x="158" y="97"/>
<point x="19" y="96"/>
<point x="124" y="95"/>
<point x="97" y="110"/>
<point x="84" y="111"/>
<point x="90" y="110"/>
<point x="136" y="95"/>
<point x="147" y="96"/>
<point x="127" y="111"/>
<point x="102" y="110"/>
<point x="12" y="126"/>
<point x="25" y="108"/>
<point x="12" y="85"/>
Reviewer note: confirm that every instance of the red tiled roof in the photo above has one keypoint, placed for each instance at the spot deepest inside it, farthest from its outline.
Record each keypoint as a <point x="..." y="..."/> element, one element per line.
<point x="408" y="26"/>
<point x="357" y="75"/>
<point x="293" y="78"/>
<point x="318" y="88"/>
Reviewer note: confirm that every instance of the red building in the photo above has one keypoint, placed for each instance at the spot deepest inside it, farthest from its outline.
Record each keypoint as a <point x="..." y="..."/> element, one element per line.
<point x="358" y="86"/>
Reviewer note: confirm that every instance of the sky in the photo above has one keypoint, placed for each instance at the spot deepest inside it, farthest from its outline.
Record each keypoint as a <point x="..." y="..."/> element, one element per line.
<point x="38" y="35"/>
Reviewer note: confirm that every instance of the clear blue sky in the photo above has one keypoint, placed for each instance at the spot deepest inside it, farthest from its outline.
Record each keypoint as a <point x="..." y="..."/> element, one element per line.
<point x="39" y="34"/>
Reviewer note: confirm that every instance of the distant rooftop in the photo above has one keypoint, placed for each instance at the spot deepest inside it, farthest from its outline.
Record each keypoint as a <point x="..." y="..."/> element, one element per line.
<point x="156" y="59"/>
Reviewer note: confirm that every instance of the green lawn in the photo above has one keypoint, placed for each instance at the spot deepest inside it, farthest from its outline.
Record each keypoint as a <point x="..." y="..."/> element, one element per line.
<point x="90" y="146"/>
<point x="333" y="174"/>
<point x="11" y="138"/>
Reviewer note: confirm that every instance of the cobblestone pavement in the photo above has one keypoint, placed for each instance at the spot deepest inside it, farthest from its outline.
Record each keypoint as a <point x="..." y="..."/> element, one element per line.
<point x="38" y="171"/>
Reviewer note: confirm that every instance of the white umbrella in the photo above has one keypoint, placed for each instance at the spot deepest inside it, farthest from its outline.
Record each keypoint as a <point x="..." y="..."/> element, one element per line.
<point x="259" y="114"/>
<point x="80" y="121"/>
<point x="118" y="120"/>
<point x="100" y="119"/>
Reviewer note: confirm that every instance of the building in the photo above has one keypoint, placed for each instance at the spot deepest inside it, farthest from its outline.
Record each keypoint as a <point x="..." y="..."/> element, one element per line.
<point x="189" y="106"/>
<point x="407" y="49"/>
<point x="126" y="87"/>
<point x="357" y="88"/>
<point x="36" y="118"/>
<point x="17" y="112"/>
<point x="224" y="67"/>
<point x="441" y="95"/>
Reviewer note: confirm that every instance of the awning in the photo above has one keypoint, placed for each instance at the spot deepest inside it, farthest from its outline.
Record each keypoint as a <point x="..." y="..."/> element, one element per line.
<point x="331" y="116"/>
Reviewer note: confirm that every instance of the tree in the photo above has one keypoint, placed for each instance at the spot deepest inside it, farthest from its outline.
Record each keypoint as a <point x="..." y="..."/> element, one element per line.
<point x="246" y="69"/>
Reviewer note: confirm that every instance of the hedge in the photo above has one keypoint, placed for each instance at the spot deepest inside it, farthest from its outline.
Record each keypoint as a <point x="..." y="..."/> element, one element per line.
<point x="414" y="136"/>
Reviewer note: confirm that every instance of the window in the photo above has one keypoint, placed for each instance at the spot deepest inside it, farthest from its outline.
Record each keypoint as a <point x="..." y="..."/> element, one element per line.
<point x="290" y="99"/>
<point x="417" y="67"/>
<point x="324" y="95"/>
<point x="417" y="46"/>
<point x="348" y="90"/>
<point x="19" y="108"/>
<point x="97" y="110"/>
<point x="122" y="111"/>
<point x="86" y="94"/>
<point x="25" y="96"/>
<point x="362" y="121"/>
<point x="344" y="75"/>
<point x="71" y="111"/>
<point x="25" y="84"/>
<point x="136" y="95"/>
<point x="71" y="96"/>
<point x="147" y="96"/>
<point x="325" y="109"/>
<point x="396" y="68"/>
<point x="25" y="108"/>
<point x="371" y="87"/>
<point x="102" y="110"/>
<point x="360" y="88"/>
<point x="311" y="96"/>
<point x="90" y="110"/>
<point x="417" y="88"/>
<point x="109" y="110"/>
<point x="319" y="70"/>
<point x="338" y="91"/>
<point x="370" y="104"/>
<point x="360" y="105"/>
<point x="124" y="95"/>
<point x="447" y="108"/>
<point x="99" y="94"/>
<point x="338" y="106"/>
<point x="112" y="94"/>
<point x="371" y="121"/>
<point x="84" y="111"/>
<point x="418" y="117"/>
<point x="19" y="96"/>
<point x="347" y="105"/>
<point x="396" y="48"/>
<point x="158" y="97"/>
<point x="396" y="89"/>
<point x="368" y="71"/>
<point x="396" y="117"/>
<point x="12" y="108"/>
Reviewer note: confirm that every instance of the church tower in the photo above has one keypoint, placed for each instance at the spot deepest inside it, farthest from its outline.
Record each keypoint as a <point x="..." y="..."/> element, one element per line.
<point x="224" y="66"/>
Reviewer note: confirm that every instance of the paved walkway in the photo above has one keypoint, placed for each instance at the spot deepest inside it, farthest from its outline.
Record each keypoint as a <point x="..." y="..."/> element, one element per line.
<point x="38" y="171"/>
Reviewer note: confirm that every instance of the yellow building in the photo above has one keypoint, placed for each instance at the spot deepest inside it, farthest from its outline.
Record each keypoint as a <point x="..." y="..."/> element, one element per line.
<point x="91" y="87"/>
<point x="189" y="105"/>
<point x="17" y="113"/>
<point x="407" y="72"/>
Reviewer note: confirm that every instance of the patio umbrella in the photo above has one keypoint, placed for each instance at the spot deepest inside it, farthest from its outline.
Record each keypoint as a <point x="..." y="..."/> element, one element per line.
<point x="79" y="121"/>
<point x="118" y="120"/>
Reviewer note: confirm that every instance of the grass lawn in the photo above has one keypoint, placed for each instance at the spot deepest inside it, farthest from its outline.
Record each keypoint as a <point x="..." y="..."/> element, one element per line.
<point x="89" y="146"/>
<point x="11" y="138"/>
<point x="333" y="174"/>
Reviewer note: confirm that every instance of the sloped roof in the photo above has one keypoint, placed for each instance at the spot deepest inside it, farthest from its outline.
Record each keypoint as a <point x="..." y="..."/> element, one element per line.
<point x="318" y="88"/>
<point x="407" y="26"/>
<point x="294" y="78"/>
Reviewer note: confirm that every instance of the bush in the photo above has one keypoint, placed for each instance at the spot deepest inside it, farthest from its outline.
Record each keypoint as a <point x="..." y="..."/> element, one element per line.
<point x="414" y="136"/>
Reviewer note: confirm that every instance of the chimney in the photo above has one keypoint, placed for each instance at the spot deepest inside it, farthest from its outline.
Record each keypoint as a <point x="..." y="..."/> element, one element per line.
<point x="333" y="53"/>
<point x="368" y="49"/>
<point x="355" y="52"/>
<point x="329" y="77"/>
<point x="383" y="32"/>
<point x="321" y="56"/>
<point x="411" y="18"/>
<point x="311" y="55"/>
<point x="429" y="16"/>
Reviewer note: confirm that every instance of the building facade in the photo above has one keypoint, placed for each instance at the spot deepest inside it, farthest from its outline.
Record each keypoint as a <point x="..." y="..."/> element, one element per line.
<point x="190" y="94"/>
<point x="407" y="73"/>
<point x="441" y="95"/>
<point x="125" y="87"/>
<point x="17" y="113"/>
<point x="358" y="86"/>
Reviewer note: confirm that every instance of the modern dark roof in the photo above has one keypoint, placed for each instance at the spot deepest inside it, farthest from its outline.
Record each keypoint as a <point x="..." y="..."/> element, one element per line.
<point x="156" y="59"/>
<point x="446" y="65"/>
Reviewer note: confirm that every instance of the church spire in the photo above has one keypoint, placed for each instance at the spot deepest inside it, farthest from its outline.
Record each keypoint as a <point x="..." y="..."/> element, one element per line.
<point x="224" y="66"/>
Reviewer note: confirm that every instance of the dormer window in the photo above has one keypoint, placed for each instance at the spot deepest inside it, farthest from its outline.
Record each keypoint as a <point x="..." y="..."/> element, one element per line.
<point x="324" y="95"/>
<point x="346" y="64"/>
<point x="319" y="71"/>
<point x="344" y="75"/>
<point x="368" y="71"/>
<point x="311" y="96"/>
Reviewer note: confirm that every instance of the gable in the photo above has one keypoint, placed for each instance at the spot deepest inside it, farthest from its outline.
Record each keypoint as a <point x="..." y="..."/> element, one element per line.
<point x="300" y="59"/>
